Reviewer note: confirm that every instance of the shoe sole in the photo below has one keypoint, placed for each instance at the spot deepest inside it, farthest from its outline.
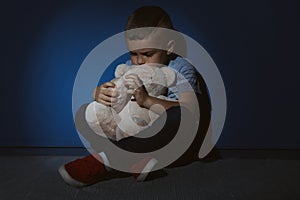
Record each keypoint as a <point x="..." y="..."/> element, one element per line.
<point x="68" y="179"/>
<point x="147" y="169"/>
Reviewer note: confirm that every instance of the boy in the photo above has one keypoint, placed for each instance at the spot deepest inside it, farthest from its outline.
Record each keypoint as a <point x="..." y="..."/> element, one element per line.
<point x="89" y="170"/>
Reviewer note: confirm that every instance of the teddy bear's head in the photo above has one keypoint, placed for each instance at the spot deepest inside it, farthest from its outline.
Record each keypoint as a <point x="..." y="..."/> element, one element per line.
<point x="156" y="78"/>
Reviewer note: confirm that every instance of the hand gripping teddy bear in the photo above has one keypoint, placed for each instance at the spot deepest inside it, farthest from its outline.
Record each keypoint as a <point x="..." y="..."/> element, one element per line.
<point x="125" y="117"/>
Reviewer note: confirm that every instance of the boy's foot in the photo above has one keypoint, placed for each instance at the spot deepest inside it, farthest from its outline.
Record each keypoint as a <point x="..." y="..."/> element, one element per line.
<point x="141" y="169"/>
<point x="84" y="171"/>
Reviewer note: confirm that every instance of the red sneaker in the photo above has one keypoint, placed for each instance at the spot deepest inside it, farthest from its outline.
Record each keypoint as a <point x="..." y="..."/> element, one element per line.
<point x="141" y="169"/>
<point x="84" y="171"/>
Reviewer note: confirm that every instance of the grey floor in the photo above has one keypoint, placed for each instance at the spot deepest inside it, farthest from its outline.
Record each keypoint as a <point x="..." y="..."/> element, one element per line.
<point x="36" y="177"/>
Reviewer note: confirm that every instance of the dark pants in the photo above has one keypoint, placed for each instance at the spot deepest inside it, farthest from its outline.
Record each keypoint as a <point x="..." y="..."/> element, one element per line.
<point x="157" y="141"/>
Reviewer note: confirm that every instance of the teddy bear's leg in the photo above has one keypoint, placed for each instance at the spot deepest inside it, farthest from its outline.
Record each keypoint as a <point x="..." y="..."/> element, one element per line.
<point x="153" y="115"/>
<point x="101" y="119"/>
<point x="130" y="122"/>
<point x="120" y="134"/>
<point x="91" y="118"/>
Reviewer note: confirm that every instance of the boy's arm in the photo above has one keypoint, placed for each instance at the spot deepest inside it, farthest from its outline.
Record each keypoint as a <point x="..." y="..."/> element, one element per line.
<point x="187" y="99"/>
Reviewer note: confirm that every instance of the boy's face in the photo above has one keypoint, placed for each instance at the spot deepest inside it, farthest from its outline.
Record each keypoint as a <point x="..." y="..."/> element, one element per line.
<point x="147" y="56"/>
<point x="143" y="52"/>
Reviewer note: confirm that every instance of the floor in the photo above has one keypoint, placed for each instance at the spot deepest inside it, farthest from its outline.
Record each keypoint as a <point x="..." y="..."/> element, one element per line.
<point x="240" y="175"/>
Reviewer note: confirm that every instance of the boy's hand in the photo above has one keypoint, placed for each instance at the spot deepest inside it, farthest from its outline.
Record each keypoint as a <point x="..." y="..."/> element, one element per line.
<point x="106" y="94"/>
<point x="136" y="87"/>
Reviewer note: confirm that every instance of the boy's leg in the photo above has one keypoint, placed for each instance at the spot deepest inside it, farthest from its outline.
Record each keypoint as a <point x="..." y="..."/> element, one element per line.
<point x="92" y="168"/>
<point x="192" y="152"/>
<point x="155" y="142"/>
<point x="135" y="144"/>
<point x="168" y="132"/>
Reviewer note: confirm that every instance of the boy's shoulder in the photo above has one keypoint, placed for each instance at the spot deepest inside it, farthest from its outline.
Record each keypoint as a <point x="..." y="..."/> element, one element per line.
<point x="180" y="64"/>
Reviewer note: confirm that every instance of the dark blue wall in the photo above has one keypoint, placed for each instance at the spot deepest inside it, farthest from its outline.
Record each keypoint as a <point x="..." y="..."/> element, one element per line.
<point x="255" y="45"/>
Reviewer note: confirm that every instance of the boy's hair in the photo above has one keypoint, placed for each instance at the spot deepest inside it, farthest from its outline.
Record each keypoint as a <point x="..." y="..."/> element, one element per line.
<point x="148" y="20"/>
<point x="147" y="16"/>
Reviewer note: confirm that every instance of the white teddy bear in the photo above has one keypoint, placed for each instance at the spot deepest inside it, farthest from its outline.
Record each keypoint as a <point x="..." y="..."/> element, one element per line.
<point x="125" y="117"/>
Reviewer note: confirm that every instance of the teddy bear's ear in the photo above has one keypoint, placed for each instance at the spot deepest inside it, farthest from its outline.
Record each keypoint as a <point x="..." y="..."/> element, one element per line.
<point x="170" y="75"/>
<point x="121" y="70"/>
